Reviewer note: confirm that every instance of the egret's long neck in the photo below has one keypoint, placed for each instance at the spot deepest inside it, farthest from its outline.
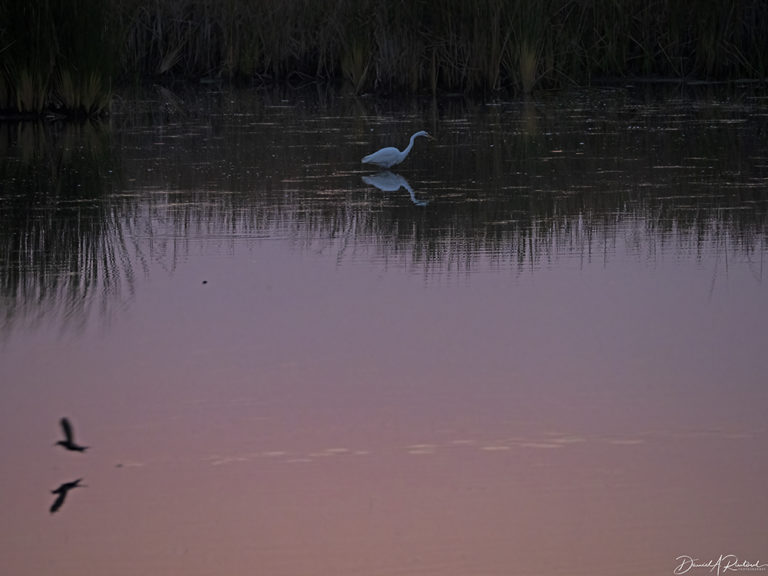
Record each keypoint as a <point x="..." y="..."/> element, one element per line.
<point x="410" y="145"/>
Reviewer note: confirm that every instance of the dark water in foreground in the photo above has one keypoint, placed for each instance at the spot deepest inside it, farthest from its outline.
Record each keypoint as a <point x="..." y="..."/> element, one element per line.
<point x="536" y="347"/>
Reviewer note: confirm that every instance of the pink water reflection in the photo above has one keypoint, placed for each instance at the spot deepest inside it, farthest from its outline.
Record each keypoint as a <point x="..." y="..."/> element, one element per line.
<point x="297" y="416"/>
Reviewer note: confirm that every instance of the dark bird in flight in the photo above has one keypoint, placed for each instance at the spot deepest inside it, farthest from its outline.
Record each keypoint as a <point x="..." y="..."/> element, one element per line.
<point x="69" y="441"/>
<point x="62" y="493"/>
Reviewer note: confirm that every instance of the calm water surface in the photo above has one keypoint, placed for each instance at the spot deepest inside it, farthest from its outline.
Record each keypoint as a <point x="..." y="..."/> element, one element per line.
<point x="537" y="347"/>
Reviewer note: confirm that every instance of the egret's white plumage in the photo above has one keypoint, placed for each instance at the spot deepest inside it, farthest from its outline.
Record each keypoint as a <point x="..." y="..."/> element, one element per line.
<point x="388" y="157"/>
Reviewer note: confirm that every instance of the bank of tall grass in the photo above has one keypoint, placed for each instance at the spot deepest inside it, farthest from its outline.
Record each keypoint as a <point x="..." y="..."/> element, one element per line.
<point x="454" y="45"/>
<point x="56" y="54"/>
<point x="66" y="53"/>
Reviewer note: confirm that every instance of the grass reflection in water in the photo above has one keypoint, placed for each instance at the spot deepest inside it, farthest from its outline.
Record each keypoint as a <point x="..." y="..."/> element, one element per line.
<point x="87" y="207"/>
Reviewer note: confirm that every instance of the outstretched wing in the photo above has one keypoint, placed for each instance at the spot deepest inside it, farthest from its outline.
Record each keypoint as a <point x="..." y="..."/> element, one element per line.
<point x="62" y="493"/>
<point x="59" y="501"/>
<point x="67" y="428"/>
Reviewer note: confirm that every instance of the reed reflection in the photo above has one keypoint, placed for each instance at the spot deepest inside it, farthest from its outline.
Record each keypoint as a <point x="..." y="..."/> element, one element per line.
<point x="387" y="181"/>
<point x="62" y="246"/>
<point x="87" y="209"/>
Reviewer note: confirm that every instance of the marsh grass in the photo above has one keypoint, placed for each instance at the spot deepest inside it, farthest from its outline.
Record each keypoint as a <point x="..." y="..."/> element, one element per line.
<point x="528" y="66"/>
<point x="26" y="59"/>
<point x="355" y="64"/>
<point x="66" y="54"/>
<point x="451" y="45"/>
<point x="56" y="55"/>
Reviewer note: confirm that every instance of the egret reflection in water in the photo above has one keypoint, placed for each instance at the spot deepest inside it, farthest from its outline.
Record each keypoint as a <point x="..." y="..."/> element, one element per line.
<point x="387" y="181"/>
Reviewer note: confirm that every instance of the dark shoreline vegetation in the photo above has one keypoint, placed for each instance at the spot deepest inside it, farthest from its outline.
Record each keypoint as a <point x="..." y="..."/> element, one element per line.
<point x="64" y="56"/>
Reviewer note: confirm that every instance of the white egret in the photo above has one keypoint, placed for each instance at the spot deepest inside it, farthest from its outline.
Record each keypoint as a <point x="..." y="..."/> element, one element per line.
<point x="388" y="157"/>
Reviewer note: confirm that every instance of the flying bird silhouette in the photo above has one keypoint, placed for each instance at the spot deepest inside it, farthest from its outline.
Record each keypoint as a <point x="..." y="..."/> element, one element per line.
<point x="62" y="493"/>
<point x="69" y="441"/>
